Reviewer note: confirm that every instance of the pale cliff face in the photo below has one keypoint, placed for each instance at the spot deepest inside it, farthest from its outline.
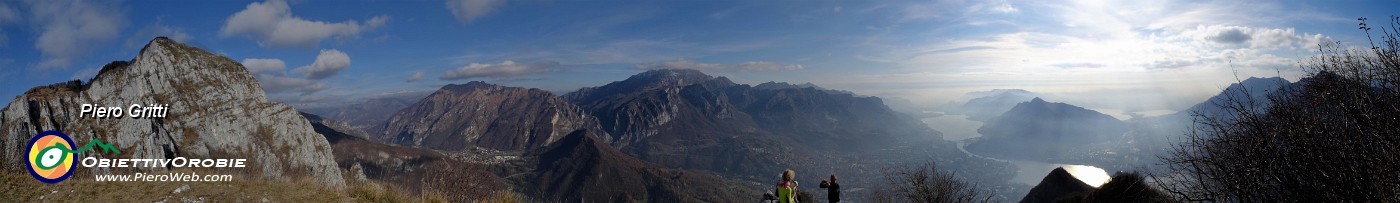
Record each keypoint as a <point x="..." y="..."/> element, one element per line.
<point x="216" y="110"/>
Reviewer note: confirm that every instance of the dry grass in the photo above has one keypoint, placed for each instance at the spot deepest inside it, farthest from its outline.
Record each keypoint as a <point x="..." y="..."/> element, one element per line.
<point x="20" y="187"/>
<point x="23" y="188"/>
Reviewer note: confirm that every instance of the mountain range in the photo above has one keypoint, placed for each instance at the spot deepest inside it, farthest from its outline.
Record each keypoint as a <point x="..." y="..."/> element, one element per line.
<point x="658" y="136"/>
<point x="477" y="114"/>
<point x="987" y="105"/>
<point x="679" y="119"/>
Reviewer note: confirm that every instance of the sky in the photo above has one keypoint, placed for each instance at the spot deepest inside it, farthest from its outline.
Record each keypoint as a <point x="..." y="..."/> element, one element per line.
<point x="1119" y="57"/>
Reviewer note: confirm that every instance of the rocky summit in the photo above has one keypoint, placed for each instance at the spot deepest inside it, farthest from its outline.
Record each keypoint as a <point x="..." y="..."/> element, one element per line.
<point x="477" y="114"/>
<point x="216" y="110"/>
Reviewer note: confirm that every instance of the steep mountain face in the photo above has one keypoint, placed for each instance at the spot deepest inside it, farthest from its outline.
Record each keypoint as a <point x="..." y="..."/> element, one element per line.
<point x="582" y="168"/>
<point x="457" y="117"/>
<point x="985" y="106"/>
<point x="216" y="110"/>
<point x="682" y="118"/>
<point x="1039" y="130"/>
<point x="686" y="119"/>
<point x="660" y="100"/>
<point x="637" y="107"/>
<point x="1056" y="185"/>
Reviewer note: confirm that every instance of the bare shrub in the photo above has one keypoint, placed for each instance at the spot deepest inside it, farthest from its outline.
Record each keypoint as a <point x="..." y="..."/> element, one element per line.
<point x="927" y="184"/>
<point x="1332" y="137"/>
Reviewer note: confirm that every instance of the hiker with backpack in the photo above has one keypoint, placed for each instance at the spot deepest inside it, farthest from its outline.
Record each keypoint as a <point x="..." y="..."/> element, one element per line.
<point x="833" y="190"/>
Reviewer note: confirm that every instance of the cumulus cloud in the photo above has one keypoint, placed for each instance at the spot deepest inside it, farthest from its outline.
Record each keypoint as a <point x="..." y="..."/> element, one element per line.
<point x="272" y="74"/>
<point x="70" y="29"/>
<point x="504" y="70"/>
<point x="266" y="66"/>
<point x="417" y="75"/>
<point x="272" y="24"/>
<point x="327" y="64"/>
<point x="1256" y="37"/>
<point x="1229" y="36"/>
<point x="467" y="11"/>
<point x="712" y="67"/>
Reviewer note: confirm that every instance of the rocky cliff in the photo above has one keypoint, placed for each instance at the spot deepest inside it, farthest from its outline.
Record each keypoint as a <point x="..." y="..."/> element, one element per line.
<point x="457" y="117"/>
<point x="216" y="110"/>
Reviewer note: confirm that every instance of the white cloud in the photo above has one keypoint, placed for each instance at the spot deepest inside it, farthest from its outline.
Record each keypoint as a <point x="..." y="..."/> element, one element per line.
<point x="1173" y="53"/>
<point x="7" y="15"/>
<point x="417" y="75"/>
<point x="467" y="11"/>
<point x="272" y="74"/>
<point x="711" y="67"/>
<point x="767" y="66"/>
<point x="327" y="64"/>
<point x="266" y="66"/>
<point x="683" y="64"/>
<point x="70" y="29"/>
<point x="1254" y="37"/>
<point x="504" y="70"/>
<point x="272" y="24"/>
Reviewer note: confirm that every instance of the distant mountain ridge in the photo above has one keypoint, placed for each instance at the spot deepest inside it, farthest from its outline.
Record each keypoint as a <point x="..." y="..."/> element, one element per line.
<point x="672" y="118"/>
<point x="477" y="114"/>
<point x="686" y="119"/>
<point x="1038" y="129"/>
<point x="369" y="114"/>
<point x="987" y="105"/>
<point x="1252" y="89"/>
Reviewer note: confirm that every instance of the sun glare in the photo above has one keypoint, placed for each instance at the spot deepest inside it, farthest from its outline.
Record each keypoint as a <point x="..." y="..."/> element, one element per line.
<point x="1094" y="176"/>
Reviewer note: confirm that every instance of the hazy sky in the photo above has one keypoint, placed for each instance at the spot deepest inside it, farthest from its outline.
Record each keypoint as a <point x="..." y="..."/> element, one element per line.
<point x="1113" y="56"/>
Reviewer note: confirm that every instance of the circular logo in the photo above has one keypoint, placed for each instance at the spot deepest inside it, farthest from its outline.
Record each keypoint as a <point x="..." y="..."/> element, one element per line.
<point x="50" y="159"/>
